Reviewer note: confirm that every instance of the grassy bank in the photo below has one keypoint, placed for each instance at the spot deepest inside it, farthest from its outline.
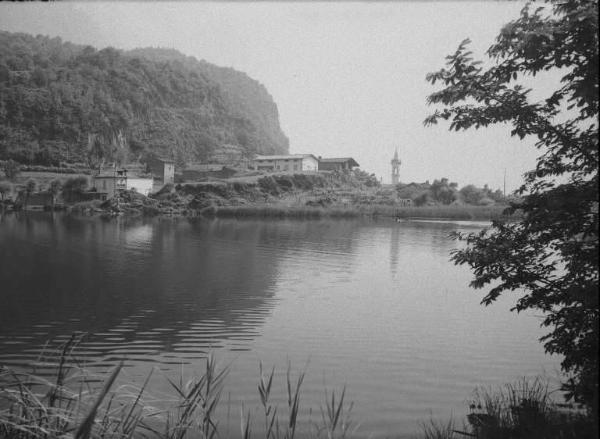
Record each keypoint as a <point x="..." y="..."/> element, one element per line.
<point x="301" y="195"/>
<point x="274" y="211"/>
<point x="456" y="213"/>
<point x="452" y="212"/>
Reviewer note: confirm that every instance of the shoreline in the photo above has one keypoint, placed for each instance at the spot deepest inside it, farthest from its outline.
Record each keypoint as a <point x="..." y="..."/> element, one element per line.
<point x="399" y="214"/>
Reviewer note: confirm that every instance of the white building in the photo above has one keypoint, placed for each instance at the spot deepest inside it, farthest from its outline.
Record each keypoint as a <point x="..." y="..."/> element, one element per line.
<point x="140" y="185"/>
<point x="112" y="181"/>
<point x="286" y="163"/>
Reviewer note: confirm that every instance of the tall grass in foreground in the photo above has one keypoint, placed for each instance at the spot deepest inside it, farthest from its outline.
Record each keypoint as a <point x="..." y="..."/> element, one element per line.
<point x="74" y="405"/>
<point x="522" y="410"/>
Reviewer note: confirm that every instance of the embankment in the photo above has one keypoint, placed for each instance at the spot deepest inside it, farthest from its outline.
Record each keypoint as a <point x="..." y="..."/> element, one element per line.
<point x="288" y="196"/>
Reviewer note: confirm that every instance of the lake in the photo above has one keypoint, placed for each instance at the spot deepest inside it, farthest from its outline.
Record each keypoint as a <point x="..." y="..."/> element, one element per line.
<point x="373" y="305"/>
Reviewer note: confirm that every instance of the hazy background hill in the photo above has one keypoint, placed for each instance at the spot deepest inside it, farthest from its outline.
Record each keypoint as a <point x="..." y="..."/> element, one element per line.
<point x="54" y="94"/>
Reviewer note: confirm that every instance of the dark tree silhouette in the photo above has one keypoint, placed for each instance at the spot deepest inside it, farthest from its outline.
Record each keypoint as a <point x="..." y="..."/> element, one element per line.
<point x="550" y="257"/>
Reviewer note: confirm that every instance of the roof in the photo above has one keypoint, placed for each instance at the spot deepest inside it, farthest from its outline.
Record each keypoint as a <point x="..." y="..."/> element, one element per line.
<point x="340" y="160"/>
<point x="284" y="157"/>
<point x="116" y="176"/>
<point x="135" y="177"/>
<point x="161" y="160"/>
<point x="204" y="167"/>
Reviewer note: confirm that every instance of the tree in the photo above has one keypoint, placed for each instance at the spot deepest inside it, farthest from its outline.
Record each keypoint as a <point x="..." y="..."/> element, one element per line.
<point x="471" y="194"/>
<point x="30" y="186"/>
<point x="369" y="180"/>
<point x="54" y="189"/>
<point x="5" y="189"/>
<point x="74" y="186"/>
<point x="442" y="191"/>
<point x="11" y="169"/>
<point x="550" y="257"/>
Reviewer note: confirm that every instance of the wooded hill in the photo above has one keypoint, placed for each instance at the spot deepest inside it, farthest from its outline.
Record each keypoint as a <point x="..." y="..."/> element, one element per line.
<point x="54" y="95"/>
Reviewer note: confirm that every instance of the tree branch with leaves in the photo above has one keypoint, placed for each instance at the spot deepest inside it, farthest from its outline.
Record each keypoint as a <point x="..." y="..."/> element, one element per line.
<point x="550" y="257"/>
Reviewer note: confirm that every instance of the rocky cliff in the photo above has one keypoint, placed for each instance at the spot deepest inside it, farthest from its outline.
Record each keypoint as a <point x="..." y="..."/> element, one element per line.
<point x="59" y="102"/>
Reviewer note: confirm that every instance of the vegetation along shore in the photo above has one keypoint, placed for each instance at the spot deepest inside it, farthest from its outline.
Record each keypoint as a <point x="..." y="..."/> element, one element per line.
<point x="254" y="194"/>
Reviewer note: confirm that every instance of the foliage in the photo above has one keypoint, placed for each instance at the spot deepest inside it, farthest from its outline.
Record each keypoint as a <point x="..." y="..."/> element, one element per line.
<point x="551" y="256"/>
<point x="53" y="94"/>
<point x="411" y="190"/>
<point x="79" y="404"/>
<point x="433" y="429"/>
<point x="73" y="186"/>
<point x="439" y="192"/>
<point x="30" y="186"/>
<point x="369" y="180"/>
<point x="471" y="194"/>
<point x="11" y="169"/>
<point x="524" y="410"/>
<point x="55" y="188"/>
<point x="443" y="191"/>
<point x="5" y="189"/>
<point x="54" y="169"/>
<point x="521" y="410"/>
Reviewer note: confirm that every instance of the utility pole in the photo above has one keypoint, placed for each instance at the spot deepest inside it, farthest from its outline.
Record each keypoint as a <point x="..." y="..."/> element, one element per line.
<point x="504" y="183"/>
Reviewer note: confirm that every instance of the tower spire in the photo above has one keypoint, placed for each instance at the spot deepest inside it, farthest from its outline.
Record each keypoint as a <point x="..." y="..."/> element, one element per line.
<point x="396" y="168"/>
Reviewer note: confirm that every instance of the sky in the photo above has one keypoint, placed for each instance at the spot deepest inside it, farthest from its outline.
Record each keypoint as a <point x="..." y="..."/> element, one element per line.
<point x="348" y="77"/>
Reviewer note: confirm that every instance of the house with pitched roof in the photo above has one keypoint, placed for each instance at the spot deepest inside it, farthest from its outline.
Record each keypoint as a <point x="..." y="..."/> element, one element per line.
<point x="286" y="163"/>
<point x="337" y="164"/>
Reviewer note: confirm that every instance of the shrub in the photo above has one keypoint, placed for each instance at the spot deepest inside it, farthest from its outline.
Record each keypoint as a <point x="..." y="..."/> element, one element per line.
<point x="5" y="190"/>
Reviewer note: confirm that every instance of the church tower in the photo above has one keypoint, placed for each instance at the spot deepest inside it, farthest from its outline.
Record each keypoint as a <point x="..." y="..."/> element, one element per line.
<point x="395" y="168"/>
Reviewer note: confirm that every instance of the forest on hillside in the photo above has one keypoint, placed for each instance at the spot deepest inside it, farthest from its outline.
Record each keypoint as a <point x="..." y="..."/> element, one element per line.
<point x="58" y="98"/>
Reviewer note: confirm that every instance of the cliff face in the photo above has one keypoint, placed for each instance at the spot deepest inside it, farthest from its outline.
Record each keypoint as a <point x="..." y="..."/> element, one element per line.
<point x="243" y="96"/>
<point x="55" y="96"/>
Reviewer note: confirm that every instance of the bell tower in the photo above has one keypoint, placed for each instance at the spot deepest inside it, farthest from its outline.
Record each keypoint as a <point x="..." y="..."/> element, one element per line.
<point x="396" y="168"/>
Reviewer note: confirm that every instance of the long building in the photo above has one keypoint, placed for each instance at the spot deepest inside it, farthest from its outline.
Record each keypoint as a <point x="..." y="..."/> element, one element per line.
<point x="292" y="162"/>
<point x="337" y="164"/>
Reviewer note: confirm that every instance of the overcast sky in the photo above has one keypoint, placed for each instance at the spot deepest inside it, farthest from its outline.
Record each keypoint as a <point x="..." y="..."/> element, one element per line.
<point x="348" y="78"/>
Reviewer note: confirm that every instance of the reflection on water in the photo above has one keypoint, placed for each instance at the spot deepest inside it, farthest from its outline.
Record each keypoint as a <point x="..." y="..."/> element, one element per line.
<point x="167" y="287"/>
<point x="374" y="305"/>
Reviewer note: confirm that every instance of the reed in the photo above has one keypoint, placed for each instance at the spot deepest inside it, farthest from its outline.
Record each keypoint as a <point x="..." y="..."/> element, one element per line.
<point x="520" y="410"/>
<point x="267" y="211"/>
<point x="336" y="417"/>
<point x="76" y="404"/>
<point x="434" y="429"/>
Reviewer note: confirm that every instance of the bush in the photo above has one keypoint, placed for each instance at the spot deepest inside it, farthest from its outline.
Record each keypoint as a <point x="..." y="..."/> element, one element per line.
<point x="150" y="210"/>
<point x="73" y="186"/>
<point x="5" y="190"/>
<point x="11" y="169"/>
<point x="269" y="185"/>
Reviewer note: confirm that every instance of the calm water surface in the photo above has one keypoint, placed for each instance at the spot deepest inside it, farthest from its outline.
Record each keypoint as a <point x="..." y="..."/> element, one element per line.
<point x="372" y="305"/>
